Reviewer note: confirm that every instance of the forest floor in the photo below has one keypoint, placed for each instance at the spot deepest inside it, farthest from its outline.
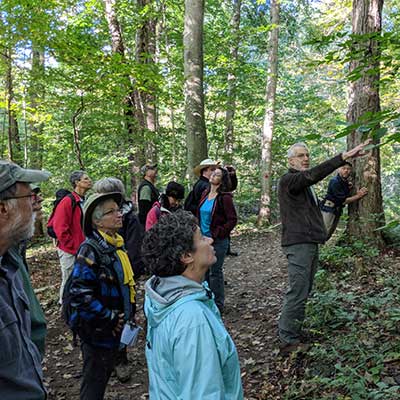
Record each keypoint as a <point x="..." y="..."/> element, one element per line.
<point x="255" y="283"/>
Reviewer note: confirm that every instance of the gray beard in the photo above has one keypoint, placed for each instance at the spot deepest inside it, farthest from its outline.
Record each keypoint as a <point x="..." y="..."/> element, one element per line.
<point x="22" y="232"/>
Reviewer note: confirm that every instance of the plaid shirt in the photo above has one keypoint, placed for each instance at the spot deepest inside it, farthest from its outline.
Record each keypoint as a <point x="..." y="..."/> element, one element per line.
<point x="98" y="293"/>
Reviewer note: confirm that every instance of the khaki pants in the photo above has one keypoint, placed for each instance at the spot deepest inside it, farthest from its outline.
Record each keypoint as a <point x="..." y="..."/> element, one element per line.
<point x="331" y="221"/>
<point x="67" y="265"/>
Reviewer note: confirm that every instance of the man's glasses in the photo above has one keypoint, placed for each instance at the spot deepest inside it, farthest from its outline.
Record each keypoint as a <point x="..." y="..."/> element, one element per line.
<point x="32" y="195"/>
<point x="114" y="212"/>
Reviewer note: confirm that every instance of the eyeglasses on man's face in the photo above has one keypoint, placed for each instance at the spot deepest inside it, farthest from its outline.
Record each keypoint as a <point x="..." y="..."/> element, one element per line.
<point x="32" y="195"/>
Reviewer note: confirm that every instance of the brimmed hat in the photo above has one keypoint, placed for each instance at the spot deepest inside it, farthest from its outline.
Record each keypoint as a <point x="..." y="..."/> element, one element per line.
<point x="147" y="167"/>
<point x="175" y="190"/>
<point x="90" y="204"/>
<point x="12" y="173"/>
<point x="204" y="164"/>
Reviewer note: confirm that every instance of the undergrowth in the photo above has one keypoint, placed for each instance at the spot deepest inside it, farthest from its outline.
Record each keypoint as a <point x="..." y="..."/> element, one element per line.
<point x="353" y="319"/>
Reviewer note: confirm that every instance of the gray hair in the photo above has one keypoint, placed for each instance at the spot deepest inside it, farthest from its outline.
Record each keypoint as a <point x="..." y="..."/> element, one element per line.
<point x="107" y="185"/>
<point x="291" y="152"/>
<point x="98" y="212"/>
<point x="76" y="176"/>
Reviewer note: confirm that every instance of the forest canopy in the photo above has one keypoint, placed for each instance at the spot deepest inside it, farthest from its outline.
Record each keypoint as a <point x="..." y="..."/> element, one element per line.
<point x="102" y="85"/>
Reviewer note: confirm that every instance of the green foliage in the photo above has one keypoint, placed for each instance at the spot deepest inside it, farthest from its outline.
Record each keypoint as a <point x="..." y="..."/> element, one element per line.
<point x="81" y="75"/>
<point x="354" y="320"/>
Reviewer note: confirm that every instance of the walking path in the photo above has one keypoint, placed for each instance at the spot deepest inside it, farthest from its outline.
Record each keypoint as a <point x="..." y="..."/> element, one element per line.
<point x="255" y="279"/>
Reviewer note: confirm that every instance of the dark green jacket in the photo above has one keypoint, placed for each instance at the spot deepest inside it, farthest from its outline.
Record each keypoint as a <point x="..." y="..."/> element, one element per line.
<point x="300" y="214"/>
<point x="21" y="375"/>
<point x="38" y="320"/>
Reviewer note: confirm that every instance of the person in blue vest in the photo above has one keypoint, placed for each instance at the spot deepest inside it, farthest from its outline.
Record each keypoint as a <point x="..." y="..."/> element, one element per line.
<point x="189" y="353"/>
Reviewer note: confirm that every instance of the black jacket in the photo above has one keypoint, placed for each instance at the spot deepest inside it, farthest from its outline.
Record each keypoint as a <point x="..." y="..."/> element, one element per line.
<point x="132" y="231"/>
<point x="300" y="214"/>
<point x="144" y="206"/>
<point x="193" y="200"/>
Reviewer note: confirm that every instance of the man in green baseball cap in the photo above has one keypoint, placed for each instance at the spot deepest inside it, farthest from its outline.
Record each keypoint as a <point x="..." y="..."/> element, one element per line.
<point x="20" y="370"/>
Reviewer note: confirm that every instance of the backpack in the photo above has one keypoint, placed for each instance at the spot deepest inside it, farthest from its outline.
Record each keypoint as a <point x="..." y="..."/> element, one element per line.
<point x="69" y="313"/>
<point x="60" y="194"/>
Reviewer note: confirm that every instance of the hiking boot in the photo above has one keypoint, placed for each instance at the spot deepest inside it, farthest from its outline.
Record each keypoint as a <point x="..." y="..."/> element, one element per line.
<point x="123" y="372"/>
<point x="285" y="349"/>
<point x="232" y="253"/>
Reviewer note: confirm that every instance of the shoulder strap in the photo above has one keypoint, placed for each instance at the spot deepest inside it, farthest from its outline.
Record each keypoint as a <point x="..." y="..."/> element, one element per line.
<point x="73" y="201"/>
<point x="103" y="258"/>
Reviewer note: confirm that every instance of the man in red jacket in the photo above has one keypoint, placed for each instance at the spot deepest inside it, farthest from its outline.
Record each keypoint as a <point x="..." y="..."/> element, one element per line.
<point x="67" y="224"/>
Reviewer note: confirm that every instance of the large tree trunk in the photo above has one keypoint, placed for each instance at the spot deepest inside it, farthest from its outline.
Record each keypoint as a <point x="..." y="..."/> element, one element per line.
<point x="366" y="215"/>
<point x="194" y="96"/>
<point x="269" y="119"/>
<point x="231" y="92"/>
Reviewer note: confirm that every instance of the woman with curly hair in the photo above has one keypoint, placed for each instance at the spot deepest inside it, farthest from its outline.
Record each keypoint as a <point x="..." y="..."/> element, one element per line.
<point x="217" y="216"/>
<point x="189" y="353"/>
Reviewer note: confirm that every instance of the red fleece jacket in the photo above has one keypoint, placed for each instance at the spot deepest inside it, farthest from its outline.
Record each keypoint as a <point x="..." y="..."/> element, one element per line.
<point x="68" y="225"/>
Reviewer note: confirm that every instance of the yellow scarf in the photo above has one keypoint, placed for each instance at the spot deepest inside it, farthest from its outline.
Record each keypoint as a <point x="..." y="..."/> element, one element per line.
<point x="118" y="242"/>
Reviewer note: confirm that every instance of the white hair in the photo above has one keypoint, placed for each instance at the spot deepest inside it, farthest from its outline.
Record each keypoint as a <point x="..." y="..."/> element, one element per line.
<point x="291" y="152"/>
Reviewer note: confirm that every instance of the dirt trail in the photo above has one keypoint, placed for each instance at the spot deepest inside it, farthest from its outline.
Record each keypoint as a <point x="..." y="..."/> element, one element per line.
<point x="255" y="283"/>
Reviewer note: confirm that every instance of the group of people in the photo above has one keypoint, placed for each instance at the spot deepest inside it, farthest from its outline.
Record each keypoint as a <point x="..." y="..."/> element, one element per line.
<point x="103" y="246"/>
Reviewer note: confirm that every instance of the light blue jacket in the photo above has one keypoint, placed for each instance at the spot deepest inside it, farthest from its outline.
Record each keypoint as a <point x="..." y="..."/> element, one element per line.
<point x="190" y="355"/>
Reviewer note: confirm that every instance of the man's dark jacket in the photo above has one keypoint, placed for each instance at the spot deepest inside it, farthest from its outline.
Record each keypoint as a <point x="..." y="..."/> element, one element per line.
<point x="193" y="200"/>
<point x="144" y="206"/>
<point x="300" y="214"/>
<point x="338" y="191"/>
<point x="132" y="231"/>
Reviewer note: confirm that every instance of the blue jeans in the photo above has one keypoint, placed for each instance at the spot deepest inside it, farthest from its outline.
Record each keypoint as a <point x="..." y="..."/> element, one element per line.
<point x="215" y="275"/>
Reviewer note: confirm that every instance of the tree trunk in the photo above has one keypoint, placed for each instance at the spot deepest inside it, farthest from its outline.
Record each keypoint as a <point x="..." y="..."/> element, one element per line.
<point x="231" y="92"/>
<point x="14" y="147"/>
<point x="36" y="95"/>
<point x="133" y="110"/>
<point x="76" y="131"/>
<point x="366" y="215"/>
<point x="145" y="54"/>
<point x="269" y="119"/>
<point x="194" y="96"/>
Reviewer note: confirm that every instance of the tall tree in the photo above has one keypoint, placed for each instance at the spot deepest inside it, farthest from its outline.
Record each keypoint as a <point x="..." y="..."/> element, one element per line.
<point x="145" y="55"/>
<point x="231" y="92"/>
<point x="269" y="118"/>
<point x="366" y="215"/>
<point x="133" y="111"/>
<point x="36" y="94"/>
<point x="194" y="97"/>
<point x="13" y="132"/>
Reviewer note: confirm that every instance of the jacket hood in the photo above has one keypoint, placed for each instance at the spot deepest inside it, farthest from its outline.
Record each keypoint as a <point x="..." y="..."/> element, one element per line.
<point x="164" y="294"/>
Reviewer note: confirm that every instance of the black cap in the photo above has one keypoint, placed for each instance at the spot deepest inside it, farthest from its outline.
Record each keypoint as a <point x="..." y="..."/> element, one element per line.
<point x="175" y="190"/>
